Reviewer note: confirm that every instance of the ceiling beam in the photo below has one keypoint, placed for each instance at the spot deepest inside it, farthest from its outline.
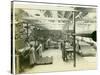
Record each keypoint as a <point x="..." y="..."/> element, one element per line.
<point x="44" y="18"/>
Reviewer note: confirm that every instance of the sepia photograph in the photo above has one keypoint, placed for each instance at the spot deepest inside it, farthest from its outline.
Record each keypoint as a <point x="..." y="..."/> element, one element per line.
<point x="51" y="37"/>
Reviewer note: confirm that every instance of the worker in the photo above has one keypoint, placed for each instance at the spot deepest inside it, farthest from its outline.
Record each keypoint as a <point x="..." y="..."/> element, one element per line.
<point x="68" y="50"/>
<point x="63" y="50"/>
<point x="32" y="58"/>
<point x="39" y="49"/>
<point x="78" y="48"/>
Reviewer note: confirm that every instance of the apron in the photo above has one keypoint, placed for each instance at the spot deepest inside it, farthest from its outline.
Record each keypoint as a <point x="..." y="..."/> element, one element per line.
<point x="32" y="56"/>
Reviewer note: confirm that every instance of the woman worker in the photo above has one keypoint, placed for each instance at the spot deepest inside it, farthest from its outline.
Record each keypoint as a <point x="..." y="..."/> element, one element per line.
<point x="39" y="49"/>
<point x="32" y="58"/>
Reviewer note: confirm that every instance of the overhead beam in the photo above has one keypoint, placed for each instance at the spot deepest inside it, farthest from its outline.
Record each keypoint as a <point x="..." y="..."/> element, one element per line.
<point x="80" y="13"/>
<point x="39" y="7"/>
<point x="47" y="6"/>
<point x="44" y="18"/>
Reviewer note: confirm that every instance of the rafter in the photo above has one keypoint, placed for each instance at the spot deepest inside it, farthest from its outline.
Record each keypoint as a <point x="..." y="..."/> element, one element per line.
<point x="44" y="18"/>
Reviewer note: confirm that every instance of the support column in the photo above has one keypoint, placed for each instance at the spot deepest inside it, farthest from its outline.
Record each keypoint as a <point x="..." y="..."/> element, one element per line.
<point x="27" y="32"/>
<point x="17" y="64"/>
<point x="74" y="39"/>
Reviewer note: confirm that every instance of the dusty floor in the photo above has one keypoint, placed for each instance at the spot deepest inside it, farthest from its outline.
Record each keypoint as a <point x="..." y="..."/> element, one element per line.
<point x="83" y="63"/>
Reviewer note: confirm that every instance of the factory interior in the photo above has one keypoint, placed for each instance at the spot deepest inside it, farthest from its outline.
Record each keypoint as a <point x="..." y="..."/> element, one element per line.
<point x="54" y="38"/>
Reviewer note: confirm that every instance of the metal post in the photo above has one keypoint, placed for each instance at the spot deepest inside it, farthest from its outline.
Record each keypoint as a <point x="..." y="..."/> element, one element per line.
<point x="27" y="32"/>
<point x="74" y="39"/>
<point x="17" y="65"/>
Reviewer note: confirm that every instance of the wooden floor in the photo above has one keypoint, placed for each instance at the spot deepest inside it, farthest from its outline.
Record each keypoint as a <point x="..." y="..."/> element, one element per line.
<point x="83" y="63"/>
